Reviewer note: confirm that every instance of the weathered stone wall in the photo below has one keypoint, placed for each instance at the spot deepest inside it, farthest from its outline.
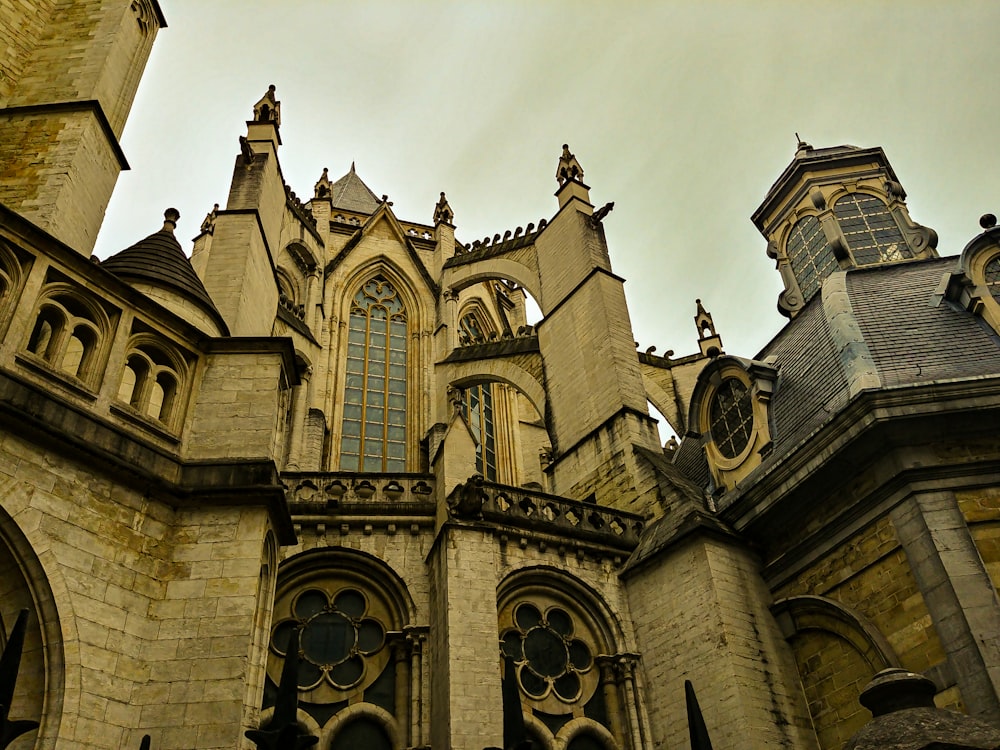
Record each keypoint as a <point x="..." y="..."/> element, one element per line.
<point x="701" y="613"/>
<point x="58" y="169"/>
<point x="605" y="466"/>
<point x="240" y="406"/>
<point x="59" y="163"/>
<point x="870" y="576"/>
<point x="156" y="605"/>
<point x="19" y="34"/>
<point x="463" y="638"/>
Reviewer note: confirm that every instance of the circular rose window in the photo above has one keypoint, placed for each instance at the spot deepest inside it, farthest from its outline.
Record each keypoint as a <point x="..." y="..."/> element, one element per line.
<point x="335" y="637"/>
<point x="549" y="658"/>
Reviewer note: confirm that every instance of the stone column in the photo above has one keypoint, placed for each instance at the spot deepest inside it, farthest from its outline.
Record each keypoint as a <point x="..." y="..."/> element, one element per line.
<point x="466" y="699"/>
<point x="297" y="428"/>
<point x="958" y="592"/>
<point x="612" y="699"/>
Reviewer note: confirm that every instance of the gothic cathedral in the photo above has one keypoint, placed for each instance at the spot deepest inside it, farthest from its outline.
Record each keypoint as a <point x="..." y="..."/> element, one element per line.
<point x="329" y="433"/>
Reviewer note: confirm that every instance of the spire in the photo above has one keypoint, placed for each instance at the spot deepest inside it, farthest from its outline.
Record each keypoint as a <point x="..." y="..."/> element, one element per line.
<point x="569" y="168"/>
<point x="709" y="341"/>
<point x="350" y="193"/>
<point x="443" y="212"/>
<point x="569" y="175"/>
<point x="322" y="188"/>
<point x="268" y="109"/>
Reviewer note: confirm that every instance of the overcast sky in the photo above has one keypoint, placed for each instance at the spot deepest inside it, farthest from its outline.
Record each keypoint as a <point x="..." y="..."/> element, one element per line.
<point x="683" y="114"/>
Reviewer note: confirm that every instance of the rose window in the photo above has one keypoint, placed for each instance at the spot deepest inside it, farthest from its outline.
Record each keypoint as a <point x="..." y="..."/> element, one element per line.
<point x="549" y="659"/>
<point x="335" y="636"/>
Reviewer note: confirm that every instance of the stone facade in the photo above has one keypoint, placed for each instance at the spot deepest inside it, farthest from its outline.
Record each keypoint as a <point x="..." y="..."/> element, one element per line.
<point x="337" y="422"/>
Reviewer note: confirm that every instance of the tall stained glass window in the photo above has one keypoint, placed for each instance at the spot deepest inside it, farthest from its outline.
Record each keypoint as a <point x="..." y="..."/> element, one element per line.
<point x="477" y="407"/>
<point x="870" y="230"/>
<point x="811" y="257"/>
<point x="374" y="427"/>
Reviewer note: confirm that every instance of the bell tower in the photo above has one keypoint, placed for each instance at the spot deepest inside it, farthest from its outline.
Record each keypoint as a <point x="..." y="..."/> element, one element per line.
<point x="70" y="71"/>
<point x="836" y="208"/>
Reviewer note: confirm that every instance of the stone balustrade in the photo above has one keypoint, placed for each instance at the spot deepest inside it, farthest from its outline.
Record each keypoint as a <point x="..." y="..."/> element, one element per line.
<point x="538" y="511"/>
<point x="370" y="493"/>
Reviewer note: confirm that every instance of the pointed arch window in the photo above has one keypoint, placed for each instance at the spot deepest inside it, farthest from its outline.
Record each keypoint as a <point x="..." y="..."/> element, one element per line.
<point x="477" y="404"/>
<point x="811" y="257"/>
<point x="477" y="408"/>
<point x="374" y="426"/>
<point x="870" y="231"/>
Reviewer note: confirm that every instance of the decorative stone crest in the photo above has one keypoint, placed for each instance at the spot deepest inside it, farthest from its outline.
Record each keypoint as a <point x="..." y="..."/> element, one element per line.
<point x="208" y="225"/>
<point x="442" y="211"/>
<point x="322" y="188"/>
<point x="268" y="109"/>
<point x="569" y="168"/>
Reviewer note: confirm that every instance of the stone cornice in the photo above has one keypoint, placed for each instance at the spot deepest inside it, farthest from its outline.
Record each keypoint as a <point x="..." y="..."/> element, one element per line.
<point x="873" y="422"/>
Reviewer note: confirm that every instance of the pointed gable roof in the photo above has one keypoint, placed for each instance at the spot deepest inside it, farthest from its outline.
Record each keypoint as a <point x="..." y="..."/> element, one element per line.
<point x="159" y="260"/>
<point x="350" y="193"/>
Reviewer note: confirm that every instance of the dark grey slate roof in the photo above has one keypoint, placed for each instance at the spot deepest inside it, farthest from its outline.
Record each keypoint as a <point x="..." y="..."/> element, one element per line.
<point x="352" y="194"/>
<point x="912" y="339"/>
<point x="811" y="384"/>
<point x="159" y="260"/>
<point x="691" y="462"/>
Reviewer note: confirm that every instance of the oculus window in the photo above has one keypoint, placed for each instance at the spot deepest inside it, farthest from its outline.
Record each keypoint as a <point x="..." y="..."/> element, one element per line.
<point x="731" y="417"/>
<point x="374" y="426"/>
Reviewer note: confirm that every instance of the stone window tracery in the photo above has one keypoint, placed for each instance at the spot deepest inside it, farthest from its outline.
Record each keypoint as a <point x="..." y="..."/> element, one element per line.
<point x="374" y="423"/>
<point x="550" y="659"/>
<point x="337" y="637"/>
<point x="556" y="648"/>
<point x="731" y="417"/>
<point x="358" y="653"/>
<point x="991" y="275"/>
<point x="870" y="230"/>
<point x="478" y="401"/>
<point x="68" y="335"/>
<point x="152" y="381"/>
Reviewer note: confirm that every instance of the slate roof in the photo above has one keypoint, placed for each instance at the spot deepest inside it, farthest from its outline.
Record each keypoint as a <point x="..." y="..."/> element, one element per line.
<point x="159" y="260"/>
<point x="913" y="339"/>
<point x="350" y="193"/>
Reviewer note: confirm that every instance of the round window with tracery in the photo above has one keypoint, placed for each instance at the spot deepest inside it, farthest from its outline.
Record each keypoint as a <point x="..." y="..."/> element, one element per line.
<point x="337" y="635"/>
<point x="550" y="659"/>
<point x="731" y="417"/>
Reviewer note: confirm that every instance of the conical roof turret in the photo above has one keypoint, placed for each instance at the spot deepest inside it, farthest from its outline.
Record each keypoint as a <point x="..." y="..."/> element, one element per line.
<point x="158" y="261"/>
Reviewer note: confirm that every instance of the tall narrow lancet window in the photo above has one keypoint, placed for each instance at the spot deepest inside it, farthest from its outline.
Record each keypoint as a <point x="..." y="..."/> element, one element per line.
<point x="477" y="407"/>
<point x="374" y="427"/>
